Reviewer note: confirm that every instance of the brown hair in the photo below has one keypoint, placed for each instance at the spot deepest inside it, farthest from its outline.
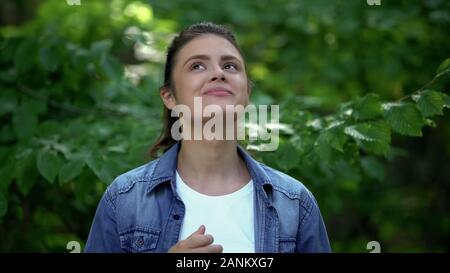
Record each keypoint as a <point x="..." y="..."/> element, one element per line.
<point x="165" y="140"/>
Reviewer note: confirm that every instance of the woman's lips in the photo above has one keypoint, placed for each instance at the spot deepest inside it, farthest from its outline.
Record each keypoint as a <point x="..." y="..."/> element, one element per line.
<point x="219" y="92"/>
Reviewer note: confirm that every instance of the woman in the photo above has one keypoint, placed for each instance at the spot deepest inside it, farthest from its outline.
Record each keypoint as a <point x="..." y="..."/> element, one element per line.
<point x="205" y="195"/>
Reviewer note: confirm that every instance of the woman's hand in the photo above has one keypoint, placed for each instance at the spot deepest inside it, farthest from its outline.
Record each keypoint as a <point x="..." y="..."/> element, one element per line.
<point x="197" y="242"/>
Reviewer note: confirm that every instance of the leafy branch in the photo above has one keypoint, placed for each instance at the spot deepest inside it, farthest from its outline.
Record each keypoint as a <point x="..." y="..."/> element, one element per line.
<point x="334" y="142"/>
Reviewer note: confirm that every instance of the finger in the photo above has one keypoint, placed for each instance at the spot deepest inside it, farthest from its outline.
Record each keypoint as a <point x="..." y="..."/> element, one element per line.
<point x="198" y="240"/>
<point x="208" y="249"/>
<point x="200" y="230"/>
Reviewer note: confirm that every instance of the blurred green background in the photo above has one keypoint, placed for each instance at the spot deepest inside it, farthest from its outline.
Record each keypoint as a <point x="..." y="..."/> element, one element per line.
<point x="79" y="105"/>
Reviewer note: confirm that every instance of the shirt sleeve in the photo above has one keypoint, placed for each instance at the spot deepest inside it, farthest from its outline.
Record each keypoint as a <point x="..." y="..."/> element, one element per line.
<point x="312" y="234"/>
<point x="103" y="236"/>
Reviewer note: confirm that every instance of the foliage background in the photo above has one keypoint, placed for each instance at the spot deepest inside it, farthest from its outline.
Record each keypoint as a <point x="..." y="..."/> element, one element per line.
<point x="79" y="105"/>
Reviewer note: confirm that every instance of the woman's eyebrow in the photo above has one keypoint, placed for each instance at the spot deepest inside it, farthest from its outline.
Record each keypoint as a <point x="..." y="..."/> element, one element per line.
<point x="228" y="58"/>
<point x="206" y="57"/>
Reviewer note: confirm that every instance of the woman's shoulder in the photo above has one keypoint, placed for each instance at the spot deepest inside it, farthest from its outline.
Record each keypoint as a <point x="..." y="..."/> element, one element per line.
<point x="139" y="175"/>
<point x="286" y="184"/>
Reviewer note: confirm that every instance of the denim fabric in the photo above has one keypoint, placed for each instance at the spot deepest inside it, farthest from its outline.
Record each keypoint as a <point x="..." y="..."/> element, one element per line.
<point x="141" y="211"/>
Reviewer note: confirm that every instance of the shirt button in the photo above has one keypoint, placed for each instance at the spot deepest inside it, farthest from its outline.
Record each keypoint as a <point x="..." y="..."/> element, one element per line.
<point x="140" y="241"/>
<point x="176" y="217"/>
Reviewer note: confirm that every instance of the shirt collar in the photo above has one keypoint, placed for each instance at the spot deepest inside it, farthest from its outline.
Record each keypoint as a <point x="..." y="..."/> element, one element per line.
<point x="166" y="166"/>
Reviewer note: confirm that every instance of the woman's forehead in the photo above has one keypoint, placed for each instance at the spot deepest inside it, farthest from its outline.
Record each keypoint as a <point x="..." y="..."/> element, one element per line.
<point x="211" y="45"/>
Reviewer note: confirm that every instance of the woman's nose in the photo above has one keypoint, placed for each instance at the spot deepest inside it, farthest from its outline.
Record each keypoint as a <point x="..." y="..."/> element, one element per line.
<point x="218" y="74"/>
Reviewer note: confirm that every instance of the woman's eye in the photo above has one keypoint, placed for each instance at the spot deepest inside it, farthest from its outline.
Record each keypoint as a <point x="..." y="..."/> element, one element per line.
<point x="197" y="66"/>
<point x="231" y="66"/>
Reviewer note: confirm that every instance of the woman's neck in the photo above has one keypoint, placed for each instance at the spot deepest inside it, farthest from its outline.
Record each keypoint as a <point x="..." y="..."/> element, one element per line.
<point x="212" y="167"/>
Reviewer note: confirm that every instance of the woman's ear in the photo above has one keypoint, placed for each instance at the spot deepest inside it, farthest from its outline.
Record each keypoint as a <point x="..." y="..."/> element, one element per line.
<point x="167" y="97"/>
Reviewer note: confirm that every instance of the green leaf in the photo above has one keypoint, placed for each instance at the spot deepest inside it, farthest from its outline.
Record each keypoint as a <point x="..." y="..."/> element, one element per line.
<point x="112" y="168"/>
<point x="50" y="127"/>
<point x="3" y="205"/>
<point x="368" y="107"/>
<point x="137" y="152"/>
<point x="36" y="106"/>
<point x="70" y="170"/>
<point x="446" y="99"/>
<point x="111" y="67"/>
<point x="445" y="65"/>
<point x="26" y="173"/>
<point x="49" y="58"/>
<point x="25" y="122"/>
<point x="8" y="76"/>
<point x="395" y="152"/>
<point x="46" y="218"/>
<point x="323" y="149"/>
<point x="430" y="102"/>
<point x="100" y="167"/>
<point x="95" y="163"/>
<point x="8" y="102"/>
<point x="369" y="131"/>
<point x="328" y="141"/>
<point x="6" y="175"/>
<point x="373" y="168"/>
<point x="347" y="174"/>
<point x="404" y="118"/>
<point x="288" y="156"/>
<point x="430" y="122"/>
<point x="7" y="134"/>
<point x="8" y="47"/>
<point x="270" y="159"/>
<point x="48" y="164"/>
<point x="100" y="48"/>
<point x="335" y="137"/>
<point x="372" y="136"/>
<point x="25" y="56"/>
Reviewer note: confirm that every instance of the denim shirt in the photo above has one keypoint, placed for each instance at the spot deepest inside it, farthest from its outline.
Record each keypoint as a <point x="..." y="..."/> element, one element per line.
<point x="142" y="212"/>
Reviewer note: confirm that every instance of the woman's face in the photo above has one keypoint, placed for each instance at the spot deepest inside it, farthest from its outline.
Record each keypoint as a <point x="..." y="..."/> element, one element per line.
<point x="209" y="67"/>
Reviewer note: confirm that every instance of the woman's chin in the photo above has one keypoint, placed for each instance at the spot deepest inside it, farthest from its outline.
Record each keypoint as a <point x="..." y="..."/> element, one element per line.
<point x="219" y="102"/>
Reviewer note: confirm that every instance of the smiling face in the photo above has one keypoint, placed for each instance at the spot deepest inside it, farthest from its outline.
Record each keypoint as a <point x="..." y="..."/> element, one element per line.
<point x="209" y="67"/>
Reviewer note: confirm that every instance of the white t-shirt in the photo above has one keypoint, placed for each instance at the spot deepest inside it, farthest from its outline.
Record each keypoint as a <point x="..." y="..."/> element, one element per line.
<point x="228" y="218"/>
